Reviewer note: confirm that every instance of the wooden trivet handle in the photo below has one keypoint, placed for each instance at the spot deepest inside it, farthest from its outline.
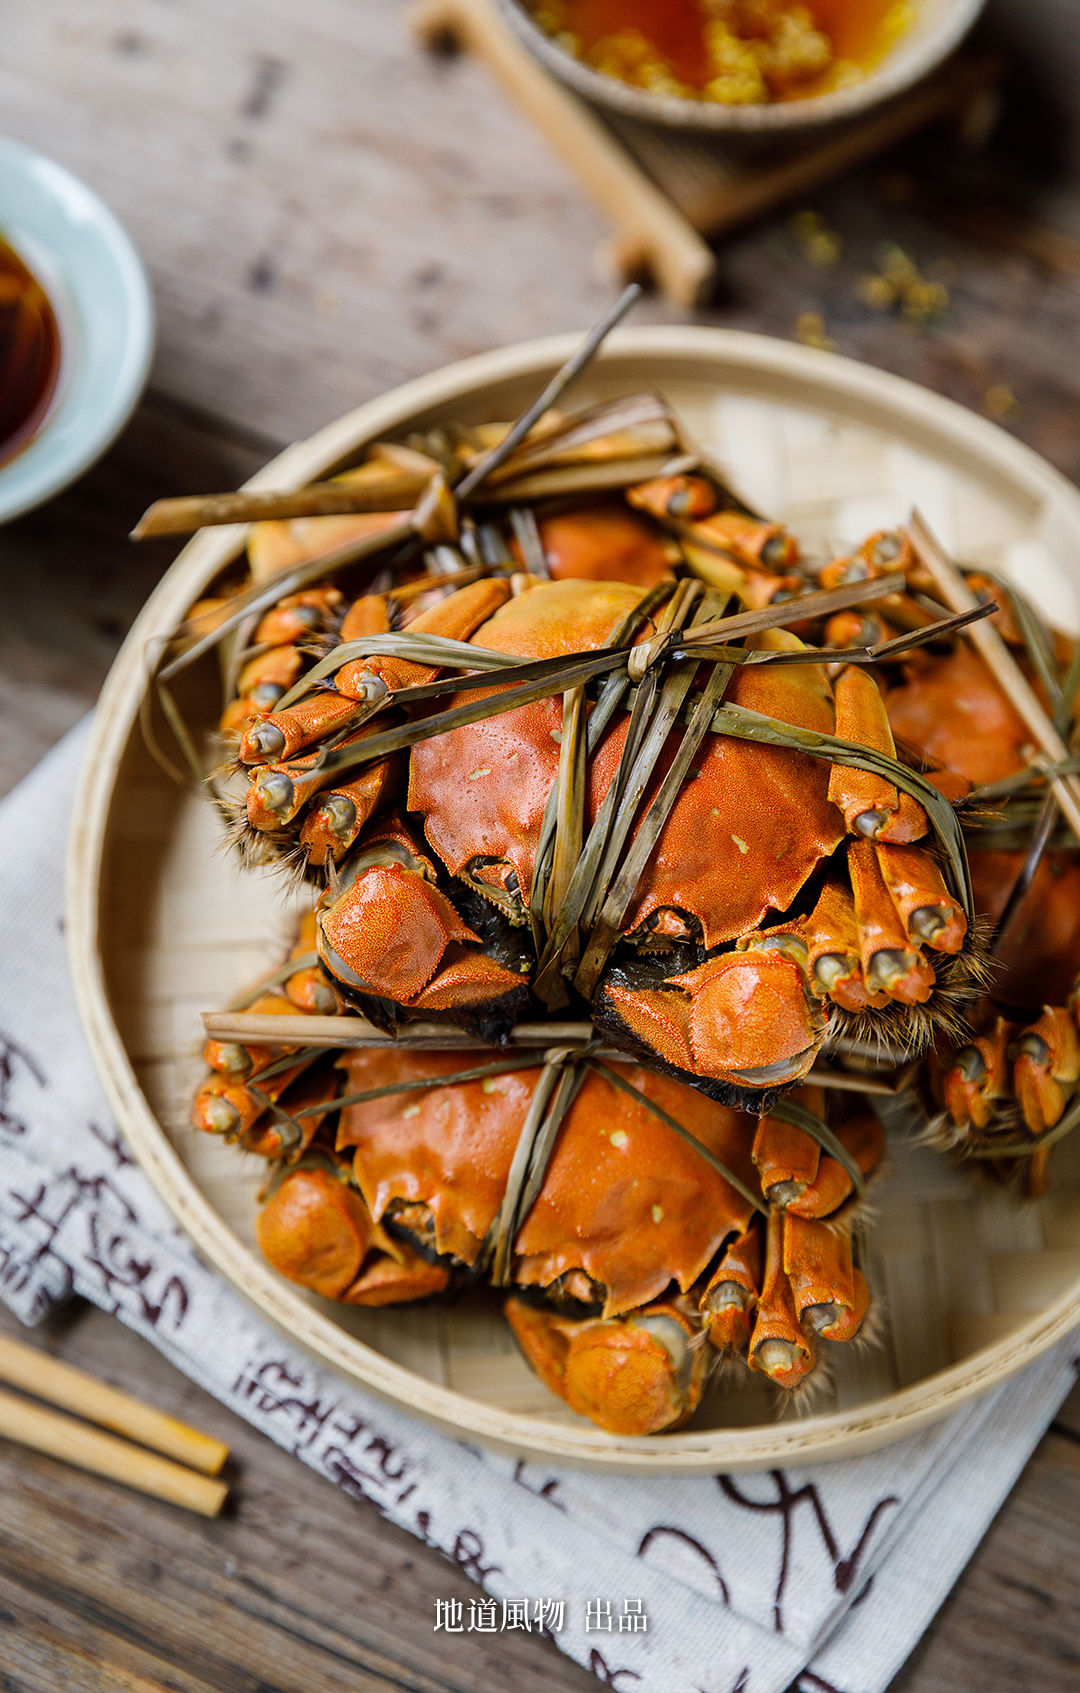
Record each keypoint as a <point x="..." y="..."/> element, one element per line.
<point x="652" y="237"/>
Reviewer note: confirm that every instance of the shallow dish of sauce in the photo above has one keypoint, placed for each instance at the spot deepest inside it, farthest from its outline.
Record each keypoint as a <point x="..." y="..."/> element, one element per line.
<point x="76" y="328"/>
<point x="30" y="353"/>
<point x="733" y="52"/>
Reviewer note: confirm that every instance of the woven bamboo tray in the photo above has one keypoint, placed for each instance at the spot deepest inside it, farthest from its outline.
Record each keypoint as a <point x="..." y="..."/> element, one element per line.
<point x="162" y="926"/>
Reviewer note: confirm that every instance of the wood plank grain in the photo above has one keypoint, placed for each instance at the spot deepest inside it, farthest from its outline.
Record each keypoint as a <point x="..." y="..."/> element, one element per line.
<point x="298" y="1586"/>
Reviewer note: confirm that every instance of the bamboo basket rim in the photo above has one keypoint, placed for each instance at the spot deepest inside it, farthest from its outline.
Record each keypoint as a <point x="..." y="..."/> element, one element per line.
<point x="778" y="369"/>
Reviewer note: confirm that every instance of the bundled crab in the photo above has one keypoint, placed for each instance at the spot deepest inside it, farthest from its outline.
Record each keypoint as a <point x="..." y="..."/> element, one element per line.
<point x="597" y="779"/>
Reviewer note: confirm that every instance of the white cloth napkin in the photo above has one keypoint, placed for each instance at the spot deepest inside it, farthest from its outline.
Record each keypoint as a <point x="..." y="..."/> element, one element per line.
<point x="823" y="1578"/>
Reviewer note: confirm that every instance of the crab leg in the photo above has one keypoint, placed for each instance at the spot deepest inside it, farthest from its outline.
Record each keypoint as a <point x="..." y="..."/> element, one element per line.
<point x="863" y="1138"/>
<point x="930" y="915"/>
<point x="859" y="628"/>
<point x="691" y="502"/>
<point x="308" y="989"/>
<point x="231" y="1059"/>
<point x="299" y="616"/>
<point x="229" y="1107"/>
<point x="881" y="555"/>
<point x="889" y="965"/>
<point x="280" y="734"/>
<point x="278" y="792"/>
<point x="260" y="685"/>
<point x="331" y="826"/>
<point x="316" y="1230"/>
<point x="976" y="1078"/>
<point x="786" y="1157"/>
<point x="284" y="733"/>
<point x="729" y="1299"/>
<point x="833" y="953"/>
<point x="739" y="554"/>
<point x="234" y="1096"/>
<point x="778" y="1346"/>
<point x="635" y="1374"/>
<point x="264" y="678"/>
<point x="270" y="1140"/>
<point x="456" y="617"/>
<point x="831" y="1296"/>
<point x="1046" y="1065"/>
<point x="871" y="806"/>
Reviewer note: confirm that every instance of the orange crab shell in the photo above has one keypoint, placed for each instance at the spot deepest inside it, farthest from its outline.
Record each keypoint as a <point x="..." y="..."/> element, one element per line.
<point x="950" y="708"/>
<point x="625" y="1200"/>
<point x="604" y="541"/>
<point x="750" y="822"/>
<point x="1037" y="957"/>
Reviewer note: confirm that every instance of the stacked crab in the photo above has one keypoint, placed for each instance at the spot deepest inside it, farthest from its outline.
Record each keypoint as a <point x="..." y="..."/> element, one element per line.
<point x="597" y="778"/>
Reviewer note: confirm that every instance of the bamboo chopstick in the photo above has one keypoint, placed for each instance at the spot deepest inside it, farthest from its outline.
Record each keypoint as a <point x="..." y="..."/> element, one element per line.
<point x="188" y="512"/>
<point x="958" y="597"/>
<point x="73" y="1389"/>
<point x="104" y="1454"/>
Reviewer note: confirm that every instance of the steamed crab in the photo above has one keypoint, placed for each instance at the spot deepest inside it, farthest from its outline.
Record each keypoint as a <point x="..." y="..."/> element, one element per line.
<point x="750" y="901"/>
<point x="630" y="753"/>
<point x="633" y="1259"/>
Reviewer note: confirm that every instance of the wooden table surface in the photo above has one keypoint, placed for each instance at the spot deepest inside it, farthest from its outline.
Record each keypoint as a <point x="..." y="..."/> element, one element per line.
<point x="325" y="212"/>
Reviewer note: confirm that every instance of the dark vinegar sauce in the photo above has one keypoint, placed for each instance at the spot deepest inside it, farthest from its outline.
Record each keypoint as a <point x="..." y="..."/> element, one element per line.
<point x="29" y="353"/>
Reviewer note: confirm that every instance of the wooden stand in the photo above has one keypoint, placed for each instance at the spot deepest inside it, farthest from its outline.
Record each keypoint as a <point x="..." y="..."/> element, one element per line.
<point x="669" y="194"/>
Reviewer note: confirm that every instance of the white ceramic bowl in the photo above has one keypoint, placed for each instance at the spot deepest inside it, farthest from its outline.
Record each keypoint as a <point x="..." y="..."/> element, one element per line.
<point x="938" y="27"/>
<point x="97" y="286"/>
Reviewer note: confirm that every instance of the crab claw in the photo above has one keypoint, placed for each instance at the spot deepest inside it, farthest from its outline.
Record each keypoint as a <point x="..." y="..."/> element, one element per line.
<point x="637" y="1374"/>
<point x="1047" y="1064"/>
<point x="316" y="1230"/>
<point x="744" y="1017"/>
<point x="390" y="932"/>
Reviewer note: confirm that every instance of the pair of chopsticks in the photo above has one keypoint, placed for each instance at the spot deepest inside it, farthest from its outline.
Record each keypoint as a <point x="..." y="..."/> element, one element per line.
<point x="185" y="1475"/>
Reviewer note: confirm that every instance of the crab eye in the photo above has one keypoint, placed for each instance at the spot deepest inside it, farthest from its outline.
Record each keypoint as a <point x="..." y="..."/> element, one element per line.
<point x="498" y="881"/>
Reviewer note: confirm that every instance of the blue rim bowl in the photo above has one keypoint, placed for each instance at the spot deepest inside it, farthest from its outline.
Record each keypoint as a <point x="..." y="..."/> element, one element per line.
<point x="99" y="291"/>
